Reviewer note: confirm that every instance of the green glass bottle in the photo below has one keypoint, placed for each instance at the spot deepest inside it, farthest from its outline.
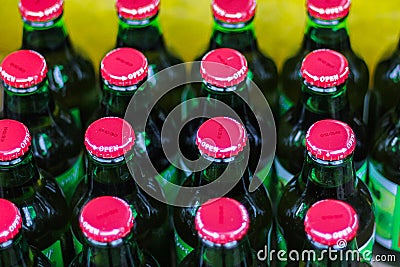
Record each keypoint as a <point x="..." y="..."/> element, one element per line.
<point x="14" y="250"/>
<point x="384" y="179"/>
<point x="139" y="27"/>
<point x="327" y="173"/>
<point x="72" y="78"/>
<point x="384" y="95"/>
<point x="331" y="228"/>
<point x="234" y="28"/>
<point x="124" y="72"/>
<point x="326" y="27"/>
<point x="106" y="141"/>
<point x="44" y="210"/>
<point x="324" y="96"/>
<point x="107" y="223"/>
<point x="222" y="225"/>
<point x="56" y="136"/>
<point x="221" y="141"/>
<point x="224" y="92"/>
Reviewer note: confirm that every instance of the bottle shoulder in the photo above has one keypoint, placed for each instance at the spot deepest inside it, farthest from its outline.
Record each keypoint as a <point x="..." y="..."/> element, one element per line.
<point x="386" y="151"/>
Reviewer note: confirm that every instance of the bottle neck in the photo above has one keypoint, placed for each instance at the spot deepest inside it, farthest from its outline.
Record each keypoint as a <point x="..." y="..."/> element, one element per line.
<point x="234" y="97"/>
<point x="236" y="254"/>
<point x="44" y="37"/>
<point x="241" y="36"/>
<point x="332" y="34"/>
<point x="110" y="175"/>
<point x="143" y="35"/>
<point x="226" y="172"/>
<point x="28" y="104"/>
<point x="331" y="179"/>
<point x="115" y="99"/>
<point x="16" y="252"/>
<point x="18" y="177"/>
<point x="332" y="102"/>
<point x="346" y="256"/>
<point x="122" y="252"/>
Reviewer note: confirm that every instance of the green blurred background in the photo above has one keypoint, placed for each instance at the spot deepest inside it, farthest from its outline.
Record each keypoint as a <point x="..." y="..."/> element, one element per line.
<point x="92" y="24"/>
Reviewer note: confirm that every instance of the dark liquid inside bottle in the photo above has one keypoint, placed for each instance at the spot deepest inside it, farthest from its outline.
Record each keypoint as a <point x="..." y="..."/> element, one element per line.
<point x="318" y="182"/>
<point x="72" y="78"/>
<point x="43" y="207"/>
<point x="149" y="40"/>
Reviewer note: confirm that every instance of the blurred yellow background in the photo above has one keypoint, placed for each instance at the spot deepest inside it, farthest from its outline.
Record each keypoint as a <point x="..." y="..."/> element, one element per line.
<point x="374" y="27"/>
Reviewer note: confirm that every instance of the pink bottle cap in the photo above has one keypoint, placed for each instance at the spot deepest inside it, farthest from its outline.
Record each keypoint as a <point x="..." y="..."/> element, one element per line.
<point x="106" y="219"/>
<point x="10" y="220"/>
<point x="234" y="11"/>
<point x="138" y="9"/>
<point x="330" y="140"/>
<point x="231" y="70"/>
<point x="325" y="68"/>
<point x="331" y="222"/>
<point x="222" y="221"/>
<point x="221" y="137"/>
<point x="40" y="10"/>
<point x="109" y="137"/>
<point x="15" y="139"/>
<point x="23" y="69"/>
<point x="328" y="10"/>
<point x="124" y="67"/>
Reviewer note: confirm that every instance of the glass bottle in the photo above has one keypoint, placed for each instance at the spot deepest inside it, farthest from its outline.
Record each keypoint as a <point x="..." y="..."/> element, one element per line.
<point x="72" y="78"/>
<point x="124" y="72"/>
<point x="44" y="210"/>
<point x="384" y="94"/>
<point x="107" y="140"/>
<point x="223" y="238"/>
<point x="14" y="249"/>
<point x="56" y="136"/>
<point x="139" y="27"/>
<point x="328" y="173"/>
<point x="107" y="223"/>
<point x="331" y="228"/>
<point x="384" y="179"/>
<point x="324" y="96"/>
<point x="327" y="28"/>
<point x="223" y="92"/>
<point x="222" y="143"/>
<point x="234" y="28"/>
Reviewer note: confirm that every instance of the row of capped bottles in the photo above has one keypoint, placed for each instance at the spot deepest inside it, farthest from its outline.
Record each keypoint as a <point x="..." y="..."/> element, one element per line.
<point x="219" y="153"/>
<point x="109" y="202"/>
<point x="13" y="67"/>
<point x="44" y="31"/>
<point x="68" y="171"/>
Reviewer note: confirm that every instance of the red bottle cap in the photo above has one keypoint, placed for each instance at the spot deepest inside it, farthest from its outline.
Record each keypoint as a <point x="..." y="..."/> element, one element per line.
<point x="138" y="9"/>
<point x="124" y="67"/>
<point x="325" y="68"/>
<point x="23" y="69"/>
<point x="15" y="139"/>
<point x="106" y="219"/>
<point x="234" y="11"/>
<point x="222" y="220"/>
<point x="221" y="137"/>
<point x="40" y="11"/>
<point x="10" y="220"/>
<point x="330" y="140"/>
<point x="109" y="137"/>
<point x="232" y="72"/>
<point x="328" y="10"/>
<point x="331" y="222"/>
